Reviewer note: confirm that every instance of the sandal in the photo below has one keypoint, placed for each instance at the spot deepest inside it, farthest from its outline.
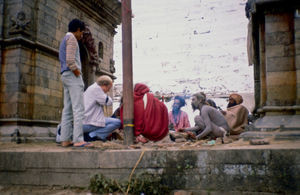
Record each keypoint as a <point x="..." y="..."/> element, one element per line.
<point x="83" y="144"/>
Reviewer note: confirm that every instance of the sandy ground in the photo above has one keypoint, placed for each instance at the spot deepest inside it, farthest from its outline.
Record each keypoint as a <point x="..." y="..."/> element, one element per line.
<point x="231" y="143"/>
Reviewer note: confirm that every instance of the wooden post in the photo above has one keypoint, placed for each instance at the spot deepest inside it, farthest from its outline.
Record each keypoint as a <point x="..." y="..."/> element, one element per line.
<point x="128" y="117"/>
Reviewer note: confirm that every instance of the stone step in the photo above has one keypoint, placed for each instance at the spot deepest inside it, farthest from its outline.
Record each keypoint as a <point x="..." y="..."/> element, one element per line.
<point x="266" y="168"/>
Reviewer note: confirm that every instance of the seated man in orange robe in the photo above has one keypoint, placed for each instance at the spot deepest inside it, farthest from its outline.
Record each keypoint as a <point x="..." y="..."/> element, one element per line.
<point x="236" y="114"/>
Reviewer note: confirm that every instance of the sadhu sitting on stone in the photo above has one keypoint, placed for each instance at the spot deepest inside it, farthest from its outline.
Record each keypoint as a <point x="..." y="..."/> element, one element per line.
<point x="236" y="114"/>
<point x="150" y="115"/>
<point x="210" y="121"/>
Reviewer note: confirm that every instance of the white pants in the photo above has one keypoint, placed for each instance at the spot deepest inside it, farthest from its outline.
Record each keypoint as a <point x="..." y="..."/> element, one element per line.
<point x="73" y="112"/>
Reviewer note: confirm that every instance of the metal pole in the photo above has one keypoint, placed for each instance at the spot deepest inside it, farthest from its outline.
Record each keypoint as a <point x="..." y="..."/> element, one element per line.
<point x="127" y="72"/>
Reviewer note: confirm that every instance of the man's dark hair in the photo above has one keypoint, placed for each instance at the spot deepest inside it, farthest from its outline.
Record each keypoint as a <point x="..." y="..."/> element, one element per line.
<point x="200" y="96"/>
<point x="75" y="24"/>
<point x="211" y="103"/>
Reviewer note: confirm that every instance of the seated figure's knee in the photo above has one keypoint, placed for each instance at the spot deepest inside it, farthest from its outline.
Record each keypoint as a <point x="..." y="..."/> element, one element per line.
<point x="199" y="122"/>
<point x="117" y="122"/>
<point x="114" y="123"/>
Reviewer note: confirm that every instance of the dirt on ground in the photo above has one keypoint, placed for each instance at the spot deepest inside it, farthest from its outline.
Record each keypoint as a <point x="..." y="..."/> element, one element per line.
<point x="230" y="142"/>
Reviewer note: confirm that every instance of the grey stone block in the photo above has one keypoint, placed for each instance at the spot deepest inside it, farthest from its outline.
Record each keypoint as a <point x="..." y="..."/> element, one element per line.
<point x="281" y="26"/>
<point x="11" y="87"/>
<point x="280" y="64"/>
<point x="176" y="158"/>
<point x="235" y="157"/>
<point x="154" y="159"/>
<point x="13" y="2"/>
<point x="12" y="161"/>
<point x="72" y="178"/>
<point x="25" y="79"/>
<point x="273" y="122"/>
<point x="270" y="18"/>
<point x="279" y="38"/>
<point x="70" y="160"/>
<point x="294" y="122"/>
<point x="41" y="72"/>
<point x="124" y="159"/>
<point x="17" y="178"/>
<point x="12" y="77"/>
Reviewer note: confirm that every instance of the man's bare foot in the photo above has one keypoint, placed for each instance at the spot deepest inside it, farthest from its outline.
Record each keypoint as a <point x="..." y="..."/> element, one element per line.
<point x="141" y="139"/>
<point x="83" y="144"/>
<point x="66" y="143"/>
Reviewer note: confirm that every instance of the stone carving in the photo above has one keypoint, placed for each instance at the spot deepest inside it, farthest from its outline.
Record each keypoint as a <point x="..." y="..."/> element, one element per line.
<point x="112" y="68"/>
<point x="100" y="50"/>
<point x="89" y="43"/>
<point x="19" y="24"/>
<point x="98" y="70"/>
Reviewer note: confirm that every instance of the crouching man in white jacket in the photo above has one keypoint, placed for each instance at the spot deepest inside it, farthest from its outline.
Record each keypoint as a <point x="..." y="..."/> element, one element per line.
<point x="95" y="125"/>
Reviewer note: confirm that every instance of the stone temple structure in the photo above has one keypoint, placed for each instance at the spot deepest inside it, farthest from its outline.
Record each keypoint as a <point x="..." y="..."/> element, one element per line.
<point x="274" y="28"/>
<point x="31" y="97"/>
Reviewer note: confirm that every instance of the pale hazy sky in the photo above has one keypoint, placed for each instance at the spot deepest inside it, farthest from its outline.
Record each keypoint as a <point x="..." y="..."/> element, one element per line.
<point x="188" y="44"/>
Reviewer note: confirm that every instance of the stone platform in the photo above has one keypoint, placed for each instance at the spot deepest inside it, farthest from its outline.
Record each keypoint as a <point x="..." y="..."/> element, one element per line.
<point x="233" y="167"/>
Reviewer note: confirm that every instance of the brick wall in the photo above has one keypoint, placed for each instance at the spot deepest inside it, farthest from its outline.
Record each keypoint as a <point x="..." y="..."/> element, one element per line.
<point x="280" y="57"/>
<point x="31" y="89"/>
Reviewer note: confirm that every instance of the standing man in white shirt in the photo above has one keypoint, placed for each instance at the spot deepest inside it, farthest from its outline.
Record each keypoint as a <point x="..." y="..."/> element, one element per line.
<point x="72" y="115"/>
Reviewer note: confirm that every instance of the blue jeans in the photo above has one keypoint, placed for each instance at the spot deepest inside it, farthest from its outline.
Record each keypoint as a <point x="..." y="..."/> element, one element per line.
<point x="73" y="112"/>
<point x="102" y="132"/>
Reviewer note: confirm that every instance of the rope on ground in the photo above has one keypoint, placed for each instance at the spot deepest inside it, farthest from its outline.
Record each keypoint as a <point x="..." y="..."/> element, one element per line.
<point x="136" y="164"/>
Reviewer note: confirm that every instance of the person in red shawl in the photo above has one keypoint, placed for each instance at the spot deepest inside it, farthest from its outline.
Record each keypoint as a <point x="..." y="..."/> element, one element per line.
<point x="150" y="115"/>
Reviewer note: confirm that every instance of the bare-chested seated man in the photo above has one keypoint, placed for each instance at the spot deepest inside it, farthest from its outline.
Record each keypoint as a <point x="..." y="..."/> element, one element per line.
<point x="209" y="122"/>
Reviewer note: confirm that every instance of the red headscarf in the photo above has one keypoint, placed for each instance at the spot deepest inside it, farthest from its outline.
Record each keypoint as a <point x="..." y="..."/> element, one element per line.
<point x="152" y="121"/>
<point x="139" y="109"/>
